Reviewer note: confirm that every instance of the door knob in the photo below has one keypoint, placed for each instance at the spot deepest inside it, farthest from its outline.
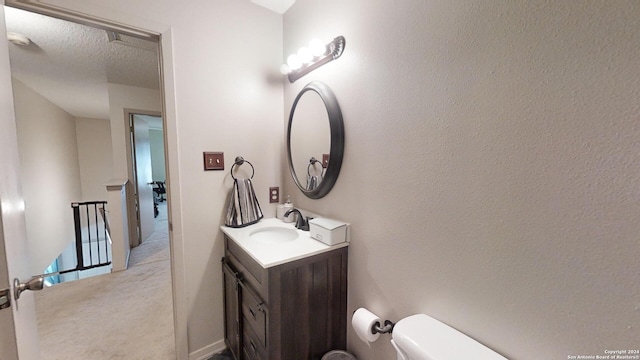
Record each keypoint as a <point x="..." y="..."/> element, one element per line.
<point x="34" y="284"/>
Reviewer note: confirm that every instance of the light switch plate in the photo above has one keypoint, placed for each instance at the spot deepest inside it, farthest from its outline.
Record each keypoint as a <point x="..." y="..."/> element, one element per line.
<point x="213" y="160"/>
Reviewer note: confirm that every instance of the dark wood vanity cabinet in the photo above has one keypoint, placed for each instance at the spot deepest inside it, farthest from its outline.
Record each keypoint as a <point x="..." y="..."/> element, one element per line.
<point x="296" y="310"/>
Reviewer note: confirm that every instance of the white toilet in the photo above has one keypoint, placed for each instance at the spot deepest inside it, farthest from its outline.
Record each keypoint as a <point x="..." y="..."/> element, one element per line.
<point x="421" y="337"/>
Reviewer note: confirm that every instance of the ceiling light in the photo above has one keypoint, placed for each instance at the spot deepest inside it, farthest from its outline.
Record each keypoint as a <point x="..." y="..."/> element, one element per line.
<point x="18" y="39"/>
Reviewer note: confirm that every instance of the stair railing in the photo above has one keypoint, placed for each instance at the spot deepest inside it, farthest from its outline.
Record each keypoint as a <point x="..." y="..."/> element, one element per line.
<point x="87" y="213"/>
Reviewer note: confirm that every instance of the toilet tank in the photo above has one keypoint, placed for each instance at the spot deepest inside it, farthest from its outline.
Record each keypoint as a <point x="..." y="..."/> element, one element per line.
<point x="421" y="337"/>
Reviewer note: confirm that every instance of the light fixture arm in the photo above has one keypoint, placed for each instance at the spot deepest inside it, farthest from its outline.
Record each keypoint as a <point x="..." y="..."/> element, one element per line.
<point x="334" y="50"/>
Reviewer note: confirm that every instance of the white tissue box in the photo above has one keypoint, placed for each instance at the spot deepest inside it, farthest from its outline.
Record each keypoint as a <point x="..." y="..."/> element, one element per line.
<point x="328" y="231"/>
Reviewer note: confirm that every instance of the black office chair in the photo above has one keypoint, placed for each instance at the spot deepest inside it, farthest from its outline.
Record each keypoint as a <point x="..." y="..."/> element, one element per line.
<point x="160" y="190"/>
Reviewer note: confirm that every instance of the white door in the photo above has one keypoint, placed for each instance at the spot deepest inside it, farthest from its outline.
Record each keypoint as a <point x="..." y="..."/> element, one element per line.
<point x="19" y="333"/>
<point x="144" y="176"/>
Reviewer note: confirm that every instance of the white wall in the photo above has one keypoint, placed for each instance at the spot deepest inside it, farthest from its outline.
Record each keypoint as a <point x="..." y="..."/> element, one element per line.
<point x="491" y="167"/>
<point x="50" y="174"/>
<point x="144" y="177"/>
<point x="156" y="141"/>
<point x="225" y="55"/>
<point x="123" y="97"/>
<point x="95" y="157"/>
<point x="226" y="102"/>
<point x="118" y="217"/>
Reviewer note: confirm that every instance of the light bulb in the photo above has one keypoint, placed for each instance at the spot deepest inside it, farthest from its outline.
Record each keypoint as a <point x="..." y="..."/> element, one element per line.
<point x="317" y="47"/>
<point x="294" y="62"/>
<point x="304" y="54"/>
<point x="285" y="69"/>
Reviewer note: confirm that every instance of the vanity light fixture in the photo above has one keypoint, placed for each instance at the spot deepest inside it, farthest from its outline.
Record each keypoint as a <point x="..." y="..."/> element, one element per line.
<point x="310" y="58"/>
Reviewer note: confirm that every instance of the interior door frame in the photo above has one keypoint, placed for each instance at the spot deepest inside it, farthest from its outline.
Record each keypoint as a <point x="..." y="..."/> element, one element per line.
<point x="164" y="35"/>
<point x="134" y="234"/>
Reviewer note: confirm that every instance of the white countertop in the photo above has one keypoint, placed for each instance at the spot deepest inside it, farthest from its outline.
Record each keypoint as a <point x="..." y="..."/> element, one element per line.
<point x="272" y="254"/>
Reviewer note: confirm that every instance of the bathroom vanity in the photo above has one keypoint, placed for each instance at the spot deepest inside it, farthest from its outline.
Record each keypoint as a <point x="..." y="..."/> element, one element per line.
<point x="285" y="294"/>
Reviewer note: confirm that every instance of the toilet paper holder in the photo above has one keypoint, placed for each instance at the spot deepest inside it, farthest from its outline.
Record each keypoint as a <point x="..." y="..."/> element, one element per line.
<point x="386" y="329"/>
<point x="367" y="325"/>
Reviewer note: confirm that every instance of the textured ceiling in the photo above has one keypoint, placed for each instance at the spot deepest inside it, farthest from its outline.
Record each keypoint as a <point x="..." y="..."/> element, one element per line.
<point x="70" y="64"/>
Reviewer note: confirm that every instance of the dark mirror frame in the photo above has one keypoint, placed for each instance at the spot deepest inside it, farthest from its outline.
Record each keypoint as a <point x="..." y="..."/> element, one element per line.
<point x="336" y="127"/>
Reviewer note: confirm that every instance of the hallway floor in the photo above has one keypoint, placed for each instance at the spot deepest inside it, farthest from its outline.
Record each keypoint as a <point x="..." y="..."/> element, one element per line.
<point x="123" y="315"/>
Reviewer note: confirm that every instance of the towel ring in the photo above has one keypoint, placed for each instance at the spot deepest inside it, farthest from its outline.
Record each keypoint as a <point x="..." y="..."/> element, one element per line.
<point x="239" y="161"/>
<point x="312" y="162"/>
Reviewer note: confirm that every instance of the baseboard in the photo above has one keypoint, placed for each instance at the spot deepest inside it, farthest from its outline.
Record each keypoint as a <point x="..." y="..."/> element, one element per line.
<point x="208" y="351"/>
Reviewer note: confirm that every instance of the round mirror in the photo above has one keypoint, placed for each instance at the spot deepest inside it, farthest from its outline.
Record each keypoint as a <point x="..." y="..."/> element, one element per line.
<point x="315" y="140"/>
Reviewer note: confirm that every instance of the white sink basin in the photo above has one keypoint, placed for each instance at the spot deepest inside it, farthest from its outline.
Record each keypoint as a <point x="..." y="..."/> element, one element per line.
<point x="274" y="235"/>
<point x="272" y="242"/>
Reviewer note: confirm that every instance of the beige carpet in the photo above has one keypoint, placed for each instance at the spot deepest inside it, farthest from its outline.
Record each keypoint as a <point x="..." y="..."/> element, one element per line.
<point x="123" y="315"/>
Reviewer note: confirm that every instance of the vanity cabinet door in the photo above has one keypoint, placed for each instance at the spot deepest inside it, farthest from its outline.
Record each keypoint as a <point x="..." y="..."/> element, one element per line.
<point x="292" y="311"/>
<point x="254" y="313"/>
<point x="253" y="349"/>
<point x="232" y="301"/>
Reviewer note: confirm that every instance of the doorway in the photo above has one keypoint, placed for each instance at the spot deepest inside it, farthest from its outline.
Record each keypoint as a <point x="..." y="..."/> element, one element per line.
<point x="61" y="139"/>
<point x="147" y="169"/>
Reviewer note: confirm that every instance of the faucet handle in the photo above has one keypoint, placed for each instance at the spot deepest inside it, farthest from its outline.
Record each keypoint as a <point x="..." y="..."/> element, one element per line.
<point x="305" y="224"/>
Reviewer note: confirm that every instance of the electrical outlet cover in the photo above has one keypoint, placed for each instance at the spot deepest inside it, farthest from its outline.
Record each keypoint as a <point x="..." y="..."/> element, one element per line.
<point x="274" y="194"/>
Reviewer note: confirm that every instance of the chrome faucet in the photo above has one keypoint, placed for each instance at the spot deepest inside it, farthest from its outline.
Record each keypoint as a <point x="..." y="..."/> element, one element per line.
<point x="301" y="223"/>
